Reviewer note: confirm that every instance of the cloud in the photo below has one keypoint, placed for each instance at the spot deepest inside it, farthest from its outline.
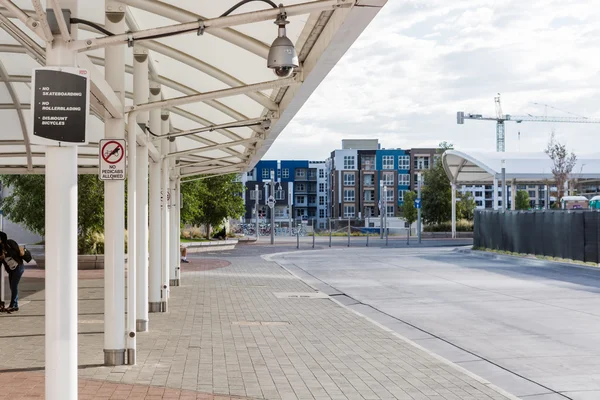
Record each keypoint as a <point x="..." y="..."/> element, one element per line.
<point x="421" y="61"/>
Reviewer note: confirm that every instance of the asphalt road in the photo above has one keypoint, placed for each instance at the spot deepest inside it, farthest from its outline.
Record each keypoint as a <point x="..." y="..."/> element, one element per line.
<point x="529" y="327"/>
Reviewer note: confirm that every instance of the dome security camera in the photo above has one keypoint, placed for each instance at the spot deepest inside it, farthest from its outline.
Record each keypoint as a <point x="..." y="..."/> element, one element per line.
<point x="282" y="57"/>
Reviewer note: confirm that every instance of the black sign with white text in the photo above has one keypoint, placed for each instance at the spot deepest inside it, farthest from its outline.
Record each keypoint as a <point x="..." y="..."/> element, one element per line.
<point x="60" y="105"/>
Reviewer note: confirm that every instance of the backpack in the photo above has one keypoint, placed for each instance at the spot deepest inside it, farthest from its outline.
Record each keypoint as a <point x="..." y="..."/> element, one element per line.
<point x="19" y="253"/>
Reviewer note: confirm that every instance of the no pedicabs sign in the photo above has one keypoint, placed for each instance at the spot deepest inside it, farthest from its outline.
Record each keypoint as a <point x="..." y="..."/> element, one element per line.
<point x="112" y="160"/>
<point x="60" y="105"/>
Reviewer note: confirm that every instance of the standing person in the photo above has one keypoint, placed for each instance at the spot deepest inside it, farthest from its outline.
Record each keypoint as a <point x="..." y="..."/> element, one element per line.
<point x="13" y="264"/>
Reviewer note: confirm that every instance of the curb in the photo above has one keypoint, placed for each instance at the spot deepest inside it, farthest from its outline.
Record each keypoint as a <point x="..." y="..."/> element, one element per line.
<point x="531" y="260"/>
<point x="282" y="264"/>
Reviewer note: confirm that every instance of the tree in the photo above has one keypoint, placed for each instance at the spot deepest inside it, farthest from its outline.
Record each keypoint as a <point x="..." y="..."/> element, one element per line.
<point x="437" y="193"/>
<point x="522" y="200"/>
<point x="210" y="201"/>
<point x="409" y="210"/>
<point x="562" y="164"/>
<point x="465" y="206"/>
<point x="26" y="205"/>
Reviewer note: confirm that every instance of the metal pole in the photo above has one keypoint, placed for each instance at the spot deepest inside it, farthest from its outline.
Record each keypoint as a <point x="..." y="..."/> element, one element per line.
<point x="114" y="211"/>
<point x="173" y="224"/>
<point x="348" y="232"/>
<point x="256" y="193"/>
<point x="381" y="194"/>
<point x="314" y="233"/>
<point x="385" y="211"/>
<point x="61" y="252"/>
<point x="272" y="209"/>
<point x="419" y="179"/>
<point x="164" y="185"/>
<point x="157" y="297"/>
<point x="503" y="186"/>
<point x="453" y="186"/>
<point x="141" y="95"/>
<point x="290" y="207"/>
<point x="297" y="236"/>
<point x="495" y="194"/>
<point x="367" y="230"/>
<point x="329" y="232"/>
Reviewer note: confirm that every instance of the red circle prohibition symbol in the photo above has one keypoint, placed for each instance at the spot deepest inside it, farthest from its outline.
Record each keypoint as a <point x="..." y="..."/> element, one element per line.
<point x="112" y="152"/>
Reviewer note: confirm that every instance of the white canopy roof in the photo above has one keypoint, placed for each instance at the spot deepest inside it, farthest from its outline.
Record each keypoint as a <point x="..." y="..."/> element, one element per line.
<point x="187" y="64"/>
<point x="483" y="167"/>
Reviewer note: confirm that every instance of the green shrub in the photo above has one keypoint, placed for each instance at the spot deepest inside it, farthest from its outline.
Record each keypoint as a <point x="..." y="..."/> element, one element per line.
<point x="462" y="225"/>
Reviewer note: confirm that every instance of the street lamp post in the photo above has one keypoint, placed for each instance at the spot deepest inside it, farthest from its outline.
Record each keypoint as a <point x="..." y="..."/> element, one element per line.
<point x="419" y="179"/>
<point x="381" y="209"/>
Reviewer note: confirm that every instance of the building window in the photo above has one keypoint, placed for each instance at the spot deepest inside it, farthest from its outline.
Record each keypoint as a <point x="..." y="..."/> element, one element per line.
<point x="349" y="179"/>
<point x="389" y="195"/>
<point x="478" y="193"/>
<point x="285" y="173"/>
<point x="253" y="195"/>
<point x="403" y="162"/>
<point x="390" y="211"/>
<point x="368" y="163"/>
<point x="388" y="178"/>
<point x="300" y="173"/>
<point x="532" y="193"/>
<point x="401" y="194"/>
<point x="321" y="200"/>
<point x="265" y="173"/>
<point x="321" y="187"/>
<point x="300" y="199"/>
<point x="301" y="187"/>
<point x="387" y="162"/>
<point x="369" y="196"/>
<point x="421" y="162"/>
<point x="369" y="211"/>
<point x="279" y="173"/>
<point x="321" y="213"/>
<point x="312" y="199"/>
<point x="369" y="180"/>
<point x="404" y="179"/>
<point x="250" y="174"/>
<point x="280" y="212"/>
<point x="479" y="203"/>
<point x="348" y="194"/>
<point x="280" y="194"/>
<point x="321" y="173"/>
<point x="348" y="162"/>
<point x="348" y="211"/>
<point x="312" y="173"/>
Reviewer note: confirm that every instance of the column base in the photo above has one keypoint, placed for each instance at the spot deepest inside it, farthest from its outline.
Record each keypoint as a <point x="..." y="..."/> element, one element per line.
<point x="141" y="325"/>
<point x="159" y="306"/>
<point x="130" y="356"/>
<point x="114" y="357"/>
<point x="174" y="282"/>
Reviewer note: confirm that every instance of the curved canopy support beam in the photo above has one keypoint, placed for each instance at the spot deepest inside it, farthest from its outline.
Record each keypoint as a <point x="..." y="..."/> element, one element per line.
<point x="177" y="14"/>
<point x="17" y="104"/>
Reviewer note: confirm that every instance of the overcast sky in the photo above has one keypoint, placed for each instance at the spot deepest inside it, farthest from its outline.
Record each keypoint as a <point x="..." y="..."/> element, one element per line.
<point x="421" y="61"/>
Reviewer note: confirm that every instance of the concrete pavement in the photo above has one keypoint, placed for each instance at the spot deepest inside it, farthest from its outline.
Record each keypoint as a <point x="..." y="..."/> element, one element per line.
<point x="531" y="328"/>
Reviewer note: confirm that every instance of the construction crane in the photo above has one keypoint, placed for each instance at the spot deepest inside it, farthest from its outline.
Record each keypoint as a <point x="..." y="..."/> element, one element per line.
<point x="501" y="118"/>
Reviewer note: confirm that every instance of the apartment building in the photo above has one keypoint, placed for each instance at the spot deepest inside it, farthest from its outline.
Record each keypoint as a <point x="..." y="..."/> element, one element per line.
<point x="299" y="190"/>
<point x="358" y="176"/>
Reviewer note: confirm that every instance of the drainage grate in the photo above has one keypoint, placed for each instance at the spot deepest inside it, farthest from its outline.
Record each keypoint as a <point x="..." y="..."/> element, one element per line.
<point x="260" y="323"/>
<point x="301" y="295"/>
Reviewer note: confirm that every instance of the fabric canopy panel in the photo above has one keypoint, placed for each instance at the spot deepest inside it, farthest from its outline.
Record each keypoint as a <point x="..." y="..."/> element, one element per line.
<point x="187" y="64"/>
<point x="484" y="167"/>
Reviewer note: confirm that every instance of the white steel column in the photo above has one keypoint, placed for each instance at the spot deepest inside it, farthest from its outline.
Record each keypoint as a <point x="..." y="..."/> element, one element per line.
<point x="178" y="224"/>
<point x="157" y="297"/>
<point x="61" y="251"/>
<point x="140" y="93"/>
<point x="495" y="194"/>
<point x="164" y="180"/>
<point x="513" y="193"/>
<point x="453" y="210"/>
<point x="114" y="211"/>
<point x="173" y="223"/>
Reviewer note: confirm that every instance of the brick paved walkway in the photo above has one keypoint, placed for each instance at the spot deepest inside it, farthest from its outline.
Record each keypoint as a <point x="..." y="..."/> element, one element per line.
<point x="239" y="326"/>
